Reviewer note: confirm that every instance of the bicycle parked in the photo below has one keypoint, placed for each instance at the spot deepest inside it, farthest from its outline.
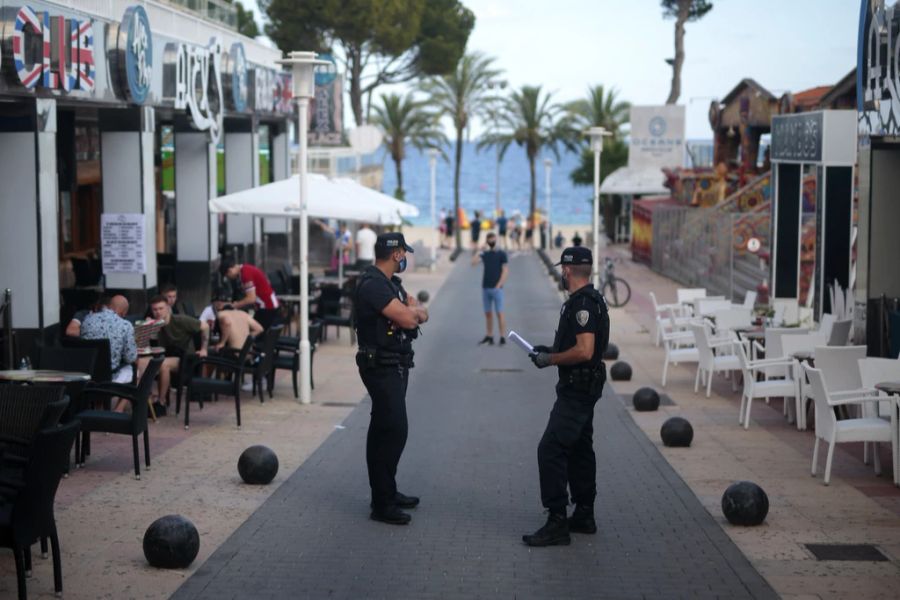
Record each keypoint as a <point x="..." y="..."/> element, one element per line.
<point x="615" y="289"/>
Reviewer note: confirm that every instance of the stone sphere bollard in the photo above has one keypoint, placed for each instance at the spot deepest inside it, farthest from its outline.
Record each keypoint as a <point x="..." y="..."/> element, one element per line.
<point x="677" y="432"/>
<point x="745" y="503"/>
<point x="422" y="296"/>
<point x="645" y="400"/>
<point x="258" y="465"/>
<point x="611" y="352"/>
<point x="620" y="371"/>
<point x="171" y="542"/>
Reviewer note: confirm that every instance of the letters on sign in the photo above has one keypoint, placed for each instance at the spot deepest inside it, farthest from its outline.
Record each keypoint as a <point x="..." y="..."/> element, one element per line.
<point x="797" y="137"/>
<point x="196" y="84"/>
<point x="67" y="57"/>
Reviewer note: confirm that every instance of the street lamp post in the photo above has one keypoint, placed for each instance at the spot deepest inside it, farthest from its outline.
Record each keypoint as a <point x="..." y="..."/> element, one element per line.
<point x="597" y="134"/>
<point x="304" y="87"/>
<point x="432" y="163"/>
<point x="548" y="165"/>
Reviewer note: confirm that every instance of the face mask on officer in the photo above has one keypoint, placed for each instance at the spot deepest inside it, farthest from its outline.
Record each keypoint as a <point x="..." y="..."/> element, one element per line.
<point x="565" y="280"/>
<point x="401" y="263"/>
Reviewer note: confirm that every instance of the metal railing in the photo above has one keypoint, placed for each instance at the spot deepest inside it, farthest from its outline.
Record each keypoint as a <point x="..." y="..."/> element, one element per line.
<point x="214" y="10"/>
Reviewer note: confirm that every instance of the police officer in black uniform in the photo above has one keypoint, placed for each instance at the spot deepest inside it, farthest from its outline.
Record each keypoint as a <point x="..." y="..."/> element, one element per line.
<point x="566" y="450"/>
<point x="387" y="320"/>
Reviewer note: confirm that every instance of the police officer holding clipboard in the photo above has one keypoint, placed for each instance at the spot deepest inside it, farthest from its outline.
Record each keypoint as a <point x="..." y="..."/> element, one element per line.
<point x="566" y="451"/>
<point x="387" y="321"/>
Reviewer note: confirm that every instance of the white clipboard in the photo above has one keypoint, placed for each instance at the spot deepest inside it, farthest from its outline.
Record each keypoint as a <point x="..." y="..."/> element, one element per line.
<point x="522" y="342"/>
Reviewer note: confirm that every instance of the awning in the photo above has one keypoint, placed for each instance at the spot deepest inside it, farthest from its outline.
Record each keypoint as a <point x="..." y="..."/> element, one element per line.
<point x="634" y="181"/>
<point x="340" y="199"/>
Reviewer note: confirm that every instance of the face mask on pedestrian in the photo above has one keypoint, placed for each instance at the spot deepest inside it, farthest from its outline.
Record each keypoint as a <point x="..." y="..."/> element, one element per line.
<point x="491" y="243"/>
<point x="401" y="264"/>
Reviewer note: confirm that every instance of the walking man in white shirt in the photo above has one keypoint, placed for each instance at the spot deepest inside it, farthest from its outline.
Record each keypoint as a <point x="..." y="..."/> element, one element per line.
<point x="365" y="246"/>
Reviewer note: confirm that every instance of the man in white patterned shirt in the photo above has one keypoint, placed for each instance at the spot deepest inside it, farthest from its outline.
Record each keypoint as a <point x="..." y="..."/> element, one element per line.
<point x="107" y="323"/>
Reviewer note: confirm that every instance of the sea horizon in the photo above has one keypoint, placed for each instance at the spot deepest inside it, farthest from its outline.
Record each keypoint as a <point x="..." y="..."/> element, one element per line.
<point x="570" y="203"/>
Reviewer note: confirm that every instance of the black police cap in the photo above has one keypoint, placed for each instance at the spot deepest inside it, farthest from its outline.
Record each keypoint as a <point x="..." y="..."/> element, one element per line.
<point x="576" y="255"/>
<point x="393" y="240"/>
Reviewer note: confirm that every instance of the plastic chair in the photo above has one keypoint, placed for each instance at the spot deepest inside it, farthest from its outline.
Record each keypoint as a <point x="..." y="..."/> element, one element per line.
<point x="31" y="516"/>
<point x="705" y="307"/>
<point x="773" y="388"/>
<point x="661" y="312"/>
<point x="264" y="365"/>
<point x="102" y="362"/>
<point x="832" y="431"/>
<point x="709" y="362"/>
<point x="826" y="324"/>
<point x="726" y="321"/>
<point x="791" y="345"/>
<point x="840" y="333"/>
<point x="873" y="371"/>
<point x="684" y="295"/>
<point x="679" y="345"/>
<point x="287" y="354"/>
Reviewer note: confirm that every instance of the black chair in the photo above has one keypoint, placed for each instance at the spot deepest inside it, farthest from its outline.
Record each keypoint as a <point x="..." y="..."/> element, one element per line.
<point x="287" y="354"/>
<point x="102" y="371"/>
<point x="23" y="409"/>
<point x="59" y="358"/>
<point x="133" y="424"/>
<point x="330" y="308"/>
<point x="227" y="379"/>
<point x="26" y="508"/>
<point x="264" y="361"/>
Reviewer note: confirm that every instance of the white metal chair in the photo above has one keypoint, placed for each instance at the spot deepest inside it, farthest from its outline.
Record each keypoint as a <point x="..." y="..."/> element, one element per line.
<point x="840" y="333"/>
<point x="709" y="362"/>
<point x="826" y="324"/>
<point x="661" y="315"/>
<point x="832" y="431"/>
<point x="753" y="388"/>
<point x="873" y="371"/>
<point x="679" y="344"/>
<point x="793" y="344"/>
<point x="684" y="295"/>
<point x="706" y="307"/>
<point x="787" y="311"/>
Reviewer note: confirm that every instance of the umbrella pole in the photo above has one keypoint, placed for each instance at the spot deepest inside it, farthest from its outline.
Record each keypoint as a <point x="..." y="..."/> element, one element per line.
<point x="305" y="362"/>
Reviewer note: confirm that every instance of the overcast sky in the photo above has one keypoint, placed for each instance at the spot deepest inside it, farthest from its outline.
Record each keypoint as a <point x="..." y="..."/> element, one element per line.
<point x="566" y="45"/>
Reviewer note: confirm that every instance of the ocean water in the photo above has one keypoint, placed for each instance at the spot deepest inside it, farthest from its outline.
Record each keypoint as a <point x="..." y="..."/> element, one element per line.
<point x="570" y="203"/>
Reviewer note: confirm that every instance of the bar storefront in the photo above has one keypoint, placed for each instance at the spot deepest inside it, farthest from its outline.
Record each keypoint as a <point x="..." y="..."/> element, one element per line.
<point x="115" y="131"/>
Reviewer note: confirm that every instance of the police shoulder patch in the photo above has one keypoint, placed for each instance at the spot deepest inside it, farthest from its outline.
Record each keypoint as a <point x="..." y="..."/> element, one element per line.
<point x="582" y="317"/>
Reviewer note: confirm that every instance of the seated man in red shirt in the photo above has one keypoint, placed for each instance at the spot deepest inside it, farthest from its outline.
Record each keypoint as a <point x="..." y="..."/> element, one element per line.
<point x="258" y="292"/>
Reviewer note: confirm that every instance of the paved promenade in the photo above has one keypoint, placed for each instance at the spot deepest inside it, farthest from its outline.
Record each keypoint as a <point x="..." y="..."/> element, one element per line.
<point x="476" y="414"/>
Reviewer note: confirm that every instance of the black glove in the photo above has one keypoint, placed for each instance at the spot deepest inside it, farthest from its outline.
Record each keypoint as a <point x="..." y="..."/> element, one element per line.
<point x="547" y="349"/>
<point x="540" y="359"/>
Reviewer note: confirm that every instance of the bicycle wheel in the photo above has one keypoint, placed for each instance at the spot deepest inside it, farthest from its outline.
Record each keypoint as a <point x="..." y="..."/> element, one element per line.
<point x="617" y="292"/>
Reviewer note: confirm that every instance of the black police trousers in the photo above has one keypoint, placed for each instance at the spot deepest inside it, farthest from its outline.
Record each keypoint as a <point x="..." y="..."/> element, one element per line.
<point x="566" y="451"/>
<point x="387" y="429"/>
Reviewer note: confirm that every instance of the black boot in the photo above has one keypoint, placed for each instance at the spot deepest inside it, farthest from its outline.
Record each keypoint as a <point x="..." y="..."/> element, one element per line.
<point x="391" y="515"/>
<point x="582" y="520"/>
<point x="402" y="501"/>
<point x="489" y="340"/>
<point x="554" y="533"/>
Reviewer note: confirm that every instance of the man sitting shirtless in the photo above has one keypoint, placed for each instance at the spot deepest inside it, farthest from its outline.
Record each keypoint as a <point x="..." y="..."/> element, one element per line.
<point x="235" y="326"/>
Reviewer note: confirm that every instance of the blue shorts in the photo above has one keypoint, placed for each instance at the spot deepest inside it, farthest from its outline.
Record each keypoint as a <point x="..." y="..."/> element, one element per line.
<point x="492" y="296"/>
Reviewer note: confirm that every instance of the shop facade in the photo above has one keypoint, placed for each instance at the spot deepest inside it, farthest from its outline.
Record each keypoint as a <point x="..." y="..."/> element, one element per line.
<point x="877" y="286"/>
<point x="115" y="131"/>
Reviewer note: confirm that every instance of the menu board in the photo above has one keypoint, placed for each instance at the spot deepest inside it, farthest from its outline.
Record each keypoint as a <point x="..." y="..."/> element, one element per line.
<point x="122" y="241"/>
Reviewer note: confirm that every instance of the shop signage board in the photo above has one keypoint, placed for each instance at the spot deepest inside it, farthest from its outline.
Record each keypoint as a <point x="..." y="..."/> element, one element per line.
<point x="56" y="52"/>
<point x="877" y="82"/>
<point x="797" y="138"/>
<point x="657" y="136"/>
<point x="326" y="108"/>
<point x="122" y="243"/>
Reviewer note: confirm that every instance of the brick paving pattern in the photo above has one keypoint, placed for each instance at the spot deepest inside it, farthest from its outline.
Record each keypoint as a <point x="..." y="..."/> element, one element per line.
<point x="474" y="427"/>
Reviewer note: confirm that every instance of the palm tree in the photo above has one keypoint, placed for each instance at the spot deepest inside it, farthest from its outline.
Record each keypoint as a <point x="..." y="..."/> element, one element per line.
<point x="600" y="108"/>
<point x="530" y="120"/>
<point x="462" y="95"/>
<point x="405" y="120"/>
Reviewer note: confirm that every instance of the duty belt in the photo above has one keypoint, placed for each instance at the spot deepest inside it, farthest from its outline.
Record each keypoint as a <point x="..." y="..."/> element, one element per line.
<point x="588" y="380"/>
<point x="369" y="358"/>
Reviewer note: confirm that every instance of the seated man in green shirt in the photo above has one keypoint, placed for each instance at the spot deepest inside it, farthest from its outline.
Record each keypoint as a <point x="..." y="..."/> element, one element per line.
<point x="177" y="337"/>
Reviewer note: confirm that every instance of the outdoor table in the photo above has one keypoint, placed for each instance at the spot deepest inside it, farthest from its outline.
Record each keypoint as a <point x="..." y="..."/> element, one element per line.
<point x="42" y="376"/>
<point x="892" y="388"/>
<point x="805" y="356"/>
<point x="751" y="333"/>
<point x="151" y="351"/>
